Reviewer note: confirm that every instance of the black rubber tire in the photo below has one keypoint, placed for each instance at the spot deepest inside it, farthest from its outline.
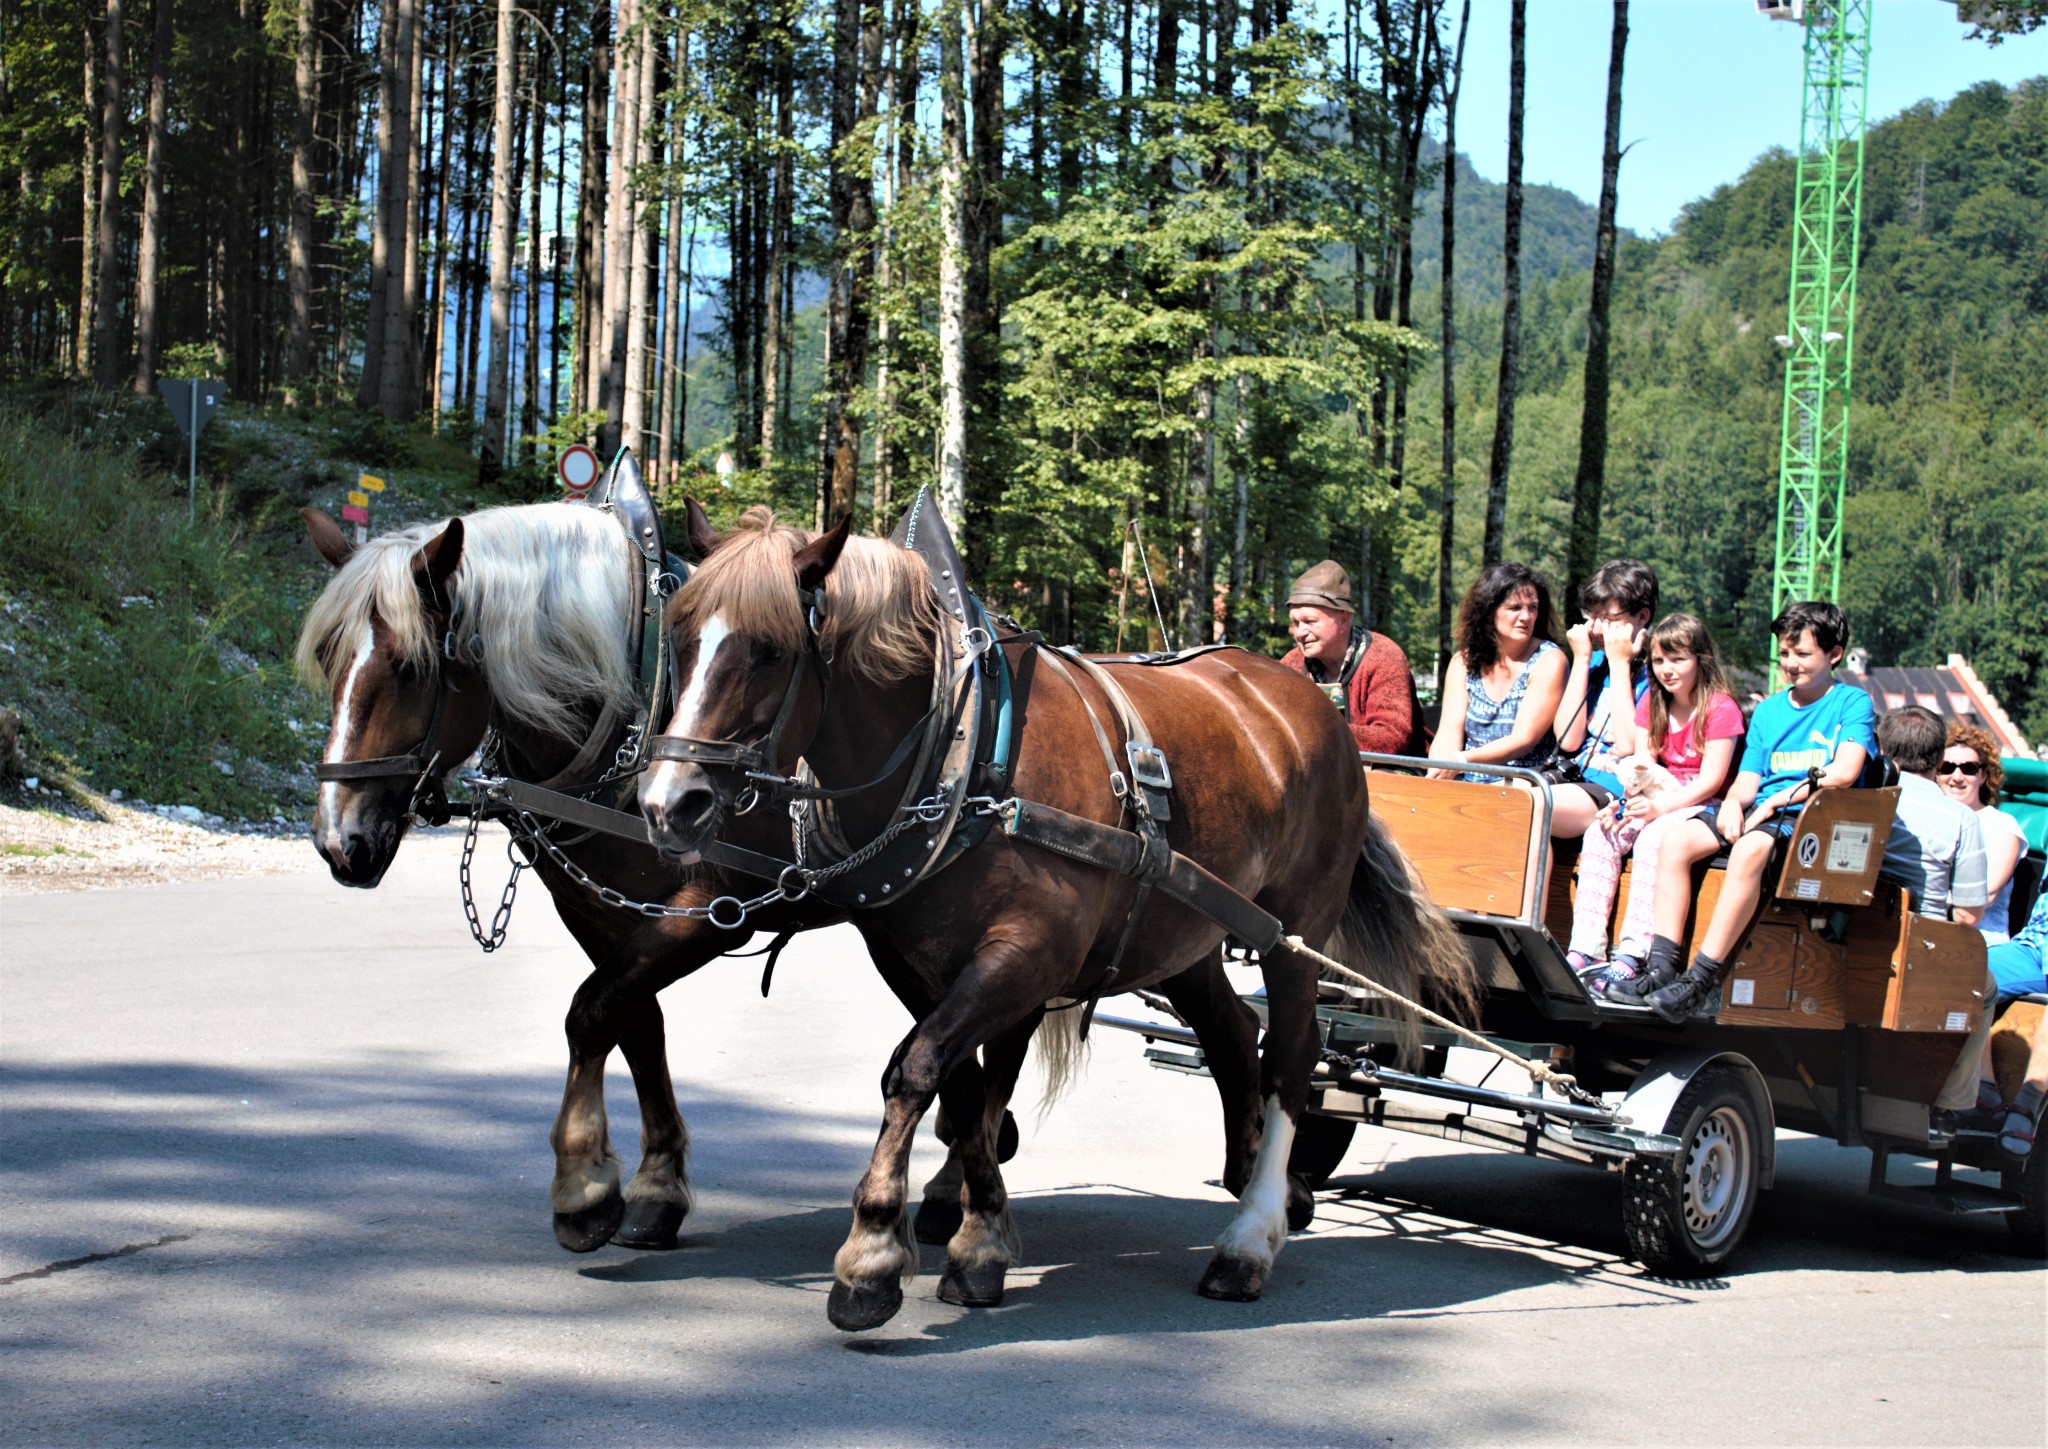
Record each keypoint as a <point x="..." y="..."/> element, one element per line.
<point x="1319" y="1147"/>
<point x="1685" y="1215"/>
<point x="2030" y="1224"/>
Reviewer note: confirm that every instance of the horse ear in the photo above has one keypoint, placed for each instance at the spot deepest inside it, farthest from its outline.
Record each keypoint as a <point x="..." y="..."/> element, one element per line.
<point x="327" y="537"/>
<point x="703" y="537"/>
<point x="435" y="563"/>
<point x="815" y="559"/>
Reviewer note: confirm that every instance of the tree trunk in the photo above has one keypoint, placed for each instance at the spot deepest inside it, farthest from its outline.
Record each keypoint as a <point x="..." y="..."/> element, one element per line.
<point x="675" y="348"/>
<point x="591" y="197"/>
<point x="1592" y="475"/>
<point x="619" y="226"/>
<point x="435" y="361"/>
<point x="984" y="218"/>
<point x="404" y="391"/>
<point x="641" y="236"/>
<point x="555" y="251"/>
<point x="1197" y="580"/>
<point x="773" y="341"/>
<point x="952" y="461"/>
<point x="298" y="348"/>
<point x="1446" y="536"/>
<point x="1511" y="300"/>
<point x="88" y="207"/>
<point x="106" y="333"/>
<point x="149" y="265"/>
<point x="369" y="387"/>
<point x="395" y="160"/>
<point x="529" y="401"/>
<point x="504" y="219"/>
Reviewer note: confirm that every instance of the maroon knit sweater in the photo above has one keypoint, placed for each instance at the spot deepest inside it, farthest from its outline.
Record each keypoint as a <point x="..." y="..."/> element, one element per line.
<point x="1384" y="714"/>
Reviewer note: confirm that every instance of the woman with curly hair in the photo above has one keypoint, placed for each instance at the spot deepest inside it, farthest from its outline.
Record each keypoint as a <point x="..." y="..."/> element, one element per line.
<point x="1503" y="685"/>
<point x="1971" y="773"/>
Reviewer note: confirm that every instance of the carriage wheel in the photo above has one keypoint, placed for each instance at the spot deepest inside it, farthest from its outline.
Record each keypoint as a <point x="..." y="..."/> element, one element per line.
<point x="1684" y="1215"/>
<point x="2030" y="1180"/>
<point x="1319" y="1146"/>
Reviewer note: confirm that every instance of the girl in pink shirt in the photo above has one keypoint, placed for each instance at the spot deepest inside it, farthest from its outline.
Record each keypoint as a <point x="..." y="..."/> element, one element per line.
<point x="1689" y="720"/>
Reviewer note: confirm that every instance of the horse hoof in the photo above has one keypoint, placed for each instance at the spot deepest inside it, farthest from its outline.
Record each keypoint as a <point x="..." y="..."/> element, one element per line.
<point x="651" y="1223"/>
<point x="1232" y="1280"/>
<point x="1006" y="1138"/>
<point x="973" y="1287"/>
<point x="938" y="1218"/>
<point x="591" y="1228"/>
<point x="1301" y="1204"/>
<point x="865" y="1305"/>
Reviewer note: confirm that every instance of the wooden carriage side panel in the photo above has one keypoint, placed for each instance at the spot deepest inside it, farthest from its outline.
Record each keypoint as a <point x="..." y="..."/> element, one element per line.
<point x="1785" y="974"/>
<point x="1837" y="847"/>
<point x="1869" y="944"/>
<point x="1912" y="973"/>
<point x="1939" y="983"/>
<point x="1469" y="842"/>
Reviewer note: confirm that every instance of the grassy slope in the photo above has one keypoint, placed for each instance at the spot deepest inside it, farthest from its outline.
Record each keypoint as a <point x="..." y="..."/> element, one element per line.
<point x="152" y="655"/>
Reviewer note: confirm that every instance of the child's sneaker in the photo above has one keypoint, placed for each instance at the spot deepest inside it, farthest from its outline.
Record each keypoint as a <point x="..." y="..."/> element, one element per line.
<point x="1677" y="1002"/>
<point x="1604" y="979"/>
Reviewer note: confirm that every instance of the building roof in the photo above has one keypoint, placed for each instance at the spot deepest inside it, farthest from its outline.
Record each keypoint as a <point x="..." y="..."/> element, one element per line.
<point x="1951" y="690"/>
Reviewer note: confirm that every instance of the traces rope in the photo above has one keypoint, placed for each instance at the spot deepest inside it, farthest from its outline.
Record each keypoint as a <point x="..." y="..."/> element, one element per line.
<point x="1541" y="1072"/>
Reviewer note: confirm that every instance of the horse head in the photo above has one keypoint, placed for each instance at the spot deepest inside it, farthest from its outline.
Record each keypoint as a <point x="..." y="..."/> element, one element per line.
<point x="750" y="672"/>
<point x="408" y="708"/>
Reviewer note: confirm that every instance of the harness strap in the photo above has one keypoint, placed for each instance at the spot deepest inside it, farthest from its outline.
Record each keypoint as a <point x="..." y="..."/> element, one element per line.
<point x="1124" y="852"/>
<point x="538" y="800"/>
<point x="593" y="749"/>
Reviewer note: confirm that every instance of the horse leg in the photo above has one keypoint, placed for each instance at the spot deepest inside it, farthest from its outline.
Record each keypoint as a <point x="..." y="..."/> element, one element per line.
<point x="997" y="990"/>
<point x="981" y="1252"/>
<point x="938" y="1213"/>
<point x="1228" y="1031"/>
<point x="585" y="1191"/>
<point x="658" y="1197"/>
<point x="1246" y="1250"/>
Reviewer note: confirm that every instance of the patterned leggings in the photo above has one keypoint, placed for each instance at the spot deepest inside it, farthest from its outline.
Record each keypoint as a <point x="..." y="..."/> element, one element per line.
<point x="1600" y="855"/>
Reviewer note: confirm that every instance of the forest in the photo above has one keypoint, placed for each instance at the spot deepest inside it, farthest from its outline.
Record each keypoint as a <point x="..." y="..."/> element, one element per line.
<point x="1154" y="294"/>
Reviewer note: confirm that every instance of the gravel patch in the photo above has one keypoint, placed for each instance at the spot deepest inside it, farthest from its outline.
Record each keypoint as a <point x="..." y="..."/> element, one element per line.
<point x="64" y="850"/>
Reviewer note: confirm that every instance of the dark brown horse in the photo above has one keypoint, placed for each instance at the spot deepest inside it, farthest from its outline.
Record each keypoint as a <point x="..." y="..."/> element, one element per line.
<point x="1267" y="794"/>
<point x="515" y="616"/>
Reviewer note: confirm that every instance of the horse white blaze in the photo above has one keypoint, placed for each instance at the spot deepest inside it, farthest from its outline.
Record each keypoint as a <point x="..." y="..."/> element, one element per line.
<point x="1260" y="1226"/>
<point x="660" y="781"/>
<point x="338" y="741"/>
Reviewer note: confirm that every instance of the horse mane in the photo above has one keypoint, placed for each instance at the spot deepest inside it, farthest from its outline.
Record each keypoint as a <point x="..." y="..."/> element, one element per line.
<point x="880" y="610"/>
<point x="539" y="605"/>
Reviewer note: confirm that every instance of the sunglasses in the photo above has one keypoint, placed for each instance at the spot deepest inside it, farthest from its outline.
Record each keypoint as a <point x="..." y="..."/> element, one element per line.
<point x="1951" y="767"/>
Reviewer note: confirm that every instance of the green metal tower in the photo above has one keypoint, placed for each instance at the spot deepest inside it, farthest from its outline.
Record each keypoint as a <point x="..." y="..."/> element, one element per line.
<point x="1820" y="330"/>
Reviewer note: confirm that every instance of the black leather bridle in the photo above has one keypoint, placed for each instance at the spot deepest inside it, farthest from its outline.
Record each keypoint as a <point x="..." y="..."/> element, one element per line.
<point x="421" y="763"/>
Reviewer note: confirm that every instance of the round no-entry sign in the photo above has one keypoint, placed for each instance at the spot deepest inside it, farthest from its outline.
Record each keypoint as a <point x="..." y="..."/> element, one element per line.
<point x="579" y="469"/>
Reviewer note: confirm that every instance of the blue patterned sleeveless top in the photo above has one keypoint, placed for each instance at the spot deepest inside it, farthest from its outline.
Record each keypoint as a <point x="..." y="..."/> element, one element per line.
<point x="1488" y="719"/>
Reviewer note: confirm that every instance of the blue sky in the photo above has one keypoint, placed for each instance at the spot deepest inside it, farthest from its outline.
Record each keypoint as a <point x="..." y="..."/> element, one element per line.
<point x="1708" y="86"/>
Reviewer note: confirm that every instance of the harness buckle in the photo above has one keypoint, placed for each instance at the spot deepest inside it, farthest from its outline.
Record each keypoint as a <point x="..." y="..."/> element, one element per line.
<point x="1118" y="785"/>
<point x="1148" y="765"/>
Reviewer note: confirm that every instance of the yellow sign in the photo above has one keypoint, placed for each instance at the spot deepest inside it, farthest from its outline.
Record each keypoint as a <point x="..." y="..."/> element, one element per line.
<point x="361" y="500"/>
<point x="371" y="482"/>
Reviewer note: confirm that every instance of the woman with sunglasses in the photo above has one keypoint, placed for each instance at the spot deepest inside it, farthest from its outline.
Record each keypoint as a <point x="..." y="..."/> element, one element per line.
<point x="1970" y="773"/>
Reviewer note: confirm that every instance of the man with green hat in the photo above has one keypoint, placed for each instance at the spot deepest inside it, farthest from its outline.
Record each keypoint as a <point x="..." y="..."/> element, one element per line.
<point x="1365" y="674"/>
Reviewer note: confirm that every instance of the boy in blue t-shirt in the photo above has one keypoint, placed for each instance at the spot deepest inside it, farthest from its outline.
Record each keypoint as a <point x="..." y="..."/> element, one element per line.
<point x="1816" y="732"/>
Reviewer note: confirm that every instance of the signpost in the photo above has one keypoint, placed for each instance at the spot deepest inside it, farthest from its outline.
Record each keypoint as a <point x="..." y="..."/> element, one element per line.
<point x="357" y="509"/>
<point x="725" y="468"/>
<point x="579" y="470"/>
<point x="192" y="402"/>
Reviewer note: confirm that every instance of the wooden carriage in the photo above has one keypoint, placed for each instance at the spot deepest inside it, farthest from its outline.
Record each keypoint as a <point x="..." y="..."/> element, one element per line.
<point x="1842" y="1015"/>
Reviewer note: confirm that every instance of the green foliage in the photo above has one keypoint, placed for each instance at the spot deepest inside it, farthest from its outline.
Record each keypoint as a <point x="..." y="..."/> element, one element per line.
<point x="145" y="651"/>
<point x="1945" y="545"/>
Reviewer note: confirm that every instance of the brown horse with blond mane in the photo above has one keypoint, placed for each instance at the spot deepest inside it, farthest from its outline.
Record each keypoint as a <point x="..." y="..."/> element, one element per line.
<point x="827" y="647"/>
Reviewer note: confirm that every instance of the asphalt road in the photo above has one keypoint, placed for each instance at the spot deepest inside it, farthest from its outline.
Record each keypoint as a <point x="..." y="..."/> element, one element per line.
<point x="273" y="1166"/>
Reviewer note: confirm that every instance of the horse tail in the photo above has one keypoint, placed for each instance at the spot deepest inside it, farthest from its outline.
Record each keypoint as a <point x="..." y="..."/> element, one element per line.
<point x="1392" y="933"/>
<point x="1061" y="1050"/>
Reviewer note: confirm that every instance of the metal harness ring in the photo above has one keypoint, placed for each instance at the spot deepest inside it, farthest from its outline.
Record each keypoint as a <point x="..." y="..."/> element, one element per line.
<point x="739" y="913"/>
